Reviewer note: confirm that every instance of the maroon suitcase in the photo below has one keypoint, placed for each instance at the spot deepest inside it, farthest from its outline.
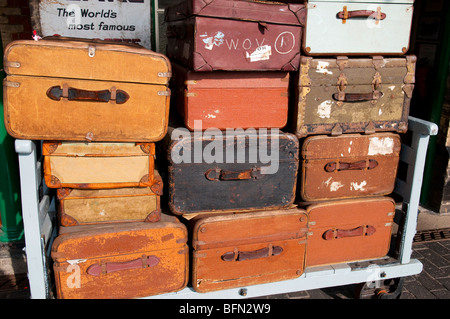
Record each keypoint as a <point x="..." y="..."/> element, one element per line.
<point x="235" y="35"/>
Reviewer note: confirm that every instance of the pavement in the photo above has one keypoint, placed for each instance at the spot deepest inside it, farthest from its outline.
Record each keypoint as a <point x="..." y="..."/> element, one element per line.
<point x="431" y="246"/>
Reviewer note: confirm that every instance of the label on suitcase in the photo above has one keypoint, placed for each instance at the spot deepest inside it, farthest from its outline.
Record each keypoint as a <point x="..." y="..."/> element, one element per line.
<point x="346" y="95"/>
<point x="349" y="230"/>
<point x="79" y="90"/>
<point x="350" y="165"/>
<point x="231" y="172"/>
<point x="125" y="260"/>
<point x="84" y="206"/>
<point x="336" y="27"/>
<point x="235" y="35"/>
<point x="248" y="248"/>
<point x="100" y="165"/>
<point x="259" y="98"/>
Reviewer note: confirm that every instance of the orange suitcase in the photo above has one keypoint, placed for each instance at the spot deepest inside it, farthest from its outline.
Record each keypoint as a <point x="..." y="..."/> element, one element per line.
<point x="349" y="230"/>
<point x="349" y="165"/>
<point x="247" y="248"/>
<point x="100" y="165"/>
<point x="126" y="260"/>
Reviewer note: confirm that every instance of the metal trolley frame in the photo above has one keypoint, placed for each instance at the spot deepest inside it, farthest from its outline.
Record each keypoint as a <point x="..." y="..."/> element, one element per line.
<point x="38" y="212"/>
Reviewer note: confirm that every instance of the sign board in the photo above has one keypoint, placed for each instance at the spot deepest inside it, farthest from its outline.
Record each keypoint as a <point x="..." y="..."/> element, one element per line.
<point x="117" y="20"/>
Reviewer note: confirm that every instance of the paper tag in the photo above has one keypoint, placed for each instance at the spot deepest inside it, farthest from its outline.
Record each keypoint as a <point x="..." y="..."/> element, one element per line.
<point x="261" y="53"/>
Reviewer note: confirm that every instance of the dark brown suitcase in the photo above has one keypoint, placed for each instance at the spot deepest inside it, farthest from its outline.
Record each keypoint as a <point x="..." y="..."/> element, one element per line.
<point x="353" y="95"/>
<point x="229" y="173"/>
<point x="235" y="35"/>
<point x="349" y="230"/>
<point x="349" y="165"/>
<point x="248" y="248"/>
<point x="214" y="98"/>
<point x="126" y="260"/>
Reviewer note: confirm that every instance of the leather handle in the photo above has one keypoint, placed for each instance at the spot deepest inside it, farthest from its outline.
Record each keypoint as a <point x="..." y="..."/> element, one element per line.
<point x="345" y="14"/>
<point x="72" y="94"/>
<point x="109" y="267"/>
<point x="342" y="166"/>
<point x="365" y="230"/>
<point x="216" y="174"/>
<point x="357" y="97"/>
<point x="254" y="254"/>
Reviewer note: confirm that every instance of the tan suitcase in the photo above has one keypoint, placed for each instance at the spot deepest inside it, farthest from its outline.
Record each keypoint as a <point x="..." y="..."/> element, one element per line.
<point x="81" y="90"/>
<point x="126" y="260"/>
<point x="349" y="230"/>
<point x="247" y="248"/>
<point x="100" y="165"/>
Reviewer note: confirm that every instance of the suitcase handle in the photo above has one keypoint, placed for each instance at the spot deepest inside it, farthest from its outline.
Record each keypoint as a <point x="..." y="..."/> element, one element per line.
<point x="215" y="174"/>
<point x="360" y="165"/>
<point x="254" y="254"/>
<point x="334" y="233"/>
<point x="357" y="97"/>
<point x="72" y="94"/>
<point x="106" y="268"/>
<point x="345" y="14"/>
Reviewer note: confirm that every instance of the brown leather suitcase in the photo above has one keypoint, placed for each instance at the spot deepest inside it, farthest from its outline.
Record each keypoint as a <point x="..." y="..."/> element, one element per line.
<point x="126" y="260"/>
<point x="86" y="206"/>
<point x="349" y="165"/>
<point x="352" y="95"/>
<point x="214" y="98"/>
<point x="235" y="35"/>
<point x="100" y="165"/>
<point x="248" y="248"/>
<point x="230" y="173"/>
<point x="79" y="90"/>
<point x="349" y="230"/>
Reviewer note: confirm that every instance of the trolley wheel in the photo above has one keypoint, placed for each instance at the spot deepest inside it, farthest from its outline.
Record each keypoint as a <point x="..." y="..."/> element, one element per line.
<point x="380" y="289"/>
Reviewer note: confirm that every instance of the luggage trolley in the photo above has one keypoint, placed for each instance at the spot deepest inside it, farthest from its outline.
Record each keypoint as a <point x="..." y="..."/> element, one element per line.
<point x="381" y="278"/>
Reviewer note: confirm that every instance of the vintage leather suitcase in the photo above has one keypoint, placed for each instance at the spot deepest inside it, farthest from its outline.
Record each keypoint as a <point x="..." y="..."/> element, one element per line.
<point x="350" y="165"/>
<point x="126" y="260"/>
<point x="215" y="98"/>
<point x="349" y="230"/>
<point x="248" y="248"/>
<point x="336" y="27"/>
<point x="229" y="173"/>
<point x="235" y="35"/>
<point x="100" y="165"/>
<point x="79" y="90"/>
<point x="85" y="206"/>
<point x="345" y="95"/>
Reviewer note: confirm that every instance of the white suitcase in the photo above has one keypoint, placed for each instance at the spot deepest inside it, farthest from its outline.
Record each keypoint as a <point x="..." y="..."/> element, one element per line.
<point x="357" y="27"/>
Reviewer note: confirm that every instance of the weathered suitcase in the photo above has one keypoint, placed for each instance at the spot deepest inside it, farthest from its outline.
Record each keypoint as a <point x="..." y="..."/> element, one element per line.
<point x="248" y="248"/>
<point x="215" y="98"/>
<point x="84" y="206"/>
<point x="100" y="165"/>
<point x="349" y="230"/>
<point x="350" y="165"/>
<point x="336" y="27"/>
<point x="126" y="260"/>
<point x="235" y="35"/>
<point x="233" y="172"/>
<point x="345" y="95"/>
<point x="85" y="90"/>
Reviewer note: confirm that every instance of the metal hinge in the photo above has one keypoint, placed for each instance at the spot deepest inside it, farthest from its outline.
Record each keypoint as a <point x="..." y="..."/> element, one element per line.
<point x="164" y="74"/>
<point x="164" y="93"/>
<point x="11" y="84"/>
<point x="11" y="64"/>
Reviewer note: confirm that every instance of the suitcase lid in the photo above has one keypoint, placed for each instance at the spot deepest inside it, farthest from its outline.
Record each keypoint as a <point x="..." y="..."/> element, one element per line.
<point x="86" y="59"/>
<point x="185" y="145"/>
<point x="102" y="240"/>
<point x="350" y="214"/>
<point x="247" y="228"/>
<point x="260" y="11"/>
<point x="66" y="148"/>
<point x="357" y="71"/>
<point x="351" y="145"/>
<point x="229" y="80"/>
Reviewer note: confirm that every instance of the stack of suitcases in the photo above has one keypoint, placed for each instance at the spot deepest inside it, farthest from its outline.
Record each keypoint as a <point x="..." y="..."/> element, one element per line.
<point x="287" y="152"/>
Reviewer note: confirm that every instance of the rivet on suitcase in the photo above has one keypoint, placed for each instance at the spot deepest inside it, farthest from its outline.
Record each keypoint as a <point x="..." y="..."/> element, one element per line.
<point x="247" y="248"/>
<point x="126" y="260"/>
